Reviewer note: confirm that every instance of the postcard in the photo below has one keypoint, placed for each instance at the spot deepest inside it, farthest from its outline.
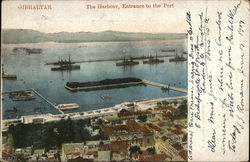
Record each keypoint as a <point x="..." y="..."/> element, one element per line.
<point x="124" y="80"/>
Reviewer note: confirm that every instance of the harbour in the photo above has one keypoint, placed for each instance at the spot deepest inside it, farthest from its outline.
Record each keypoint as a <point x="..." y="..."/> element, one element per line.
<point x="99" y="63"/>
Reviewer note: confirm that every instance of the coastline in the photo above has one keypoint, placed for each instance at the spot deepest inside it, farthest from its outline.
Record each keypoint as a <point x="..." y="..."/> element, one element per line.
<point x="141" y="105"/>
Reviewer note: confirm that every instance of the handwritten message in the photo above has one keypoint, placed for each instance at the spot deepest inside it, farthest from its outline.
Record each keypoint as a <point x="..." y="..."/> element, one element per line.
<point x="218" y="82"/>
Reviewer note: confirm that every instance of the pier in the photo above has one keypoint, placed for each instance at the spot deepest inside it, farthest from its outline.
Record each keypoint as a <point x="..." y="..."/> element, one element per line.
<point x="50" y="103"/>
<point x="164" y="86"/>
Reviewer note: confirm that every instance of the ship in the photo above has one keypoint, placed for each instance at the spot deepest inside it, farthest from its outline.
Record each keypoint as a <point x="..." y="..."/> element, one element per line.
<point x="105" y="97"/>
<point x="8" y="76"/>
<point x="28" y="50"/>
<point x="168" y="50"/>
<point x="34" y="50"/>
<point x="153" y="60"/>
<point x="22" y="95"/>
<point x="127" y="62"/>
<point x="65" y="65"/>
<point x="178" y="58"/>
<point x="67" y="106"/>
<point x="63" y="62"/>
<point x="12" y="110"/>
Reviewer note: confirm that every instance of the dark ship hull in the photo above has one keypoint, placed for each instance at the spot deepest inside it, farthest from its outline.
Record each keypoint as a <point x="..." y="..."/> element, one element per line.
<point x="154" y="61"/>
<point x="22" y="95"/>
<point x="62" y="68"/>
<point x="28" y="50"/>
<point x="178" y="59"/>
<point x="9" y="76"/>
<point x="130" y="63"/>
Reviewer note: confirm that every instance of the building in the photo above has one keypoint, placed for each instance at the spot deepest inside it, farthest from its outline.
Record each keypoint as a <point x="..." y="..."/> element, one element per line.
<point x="129" y="133"/>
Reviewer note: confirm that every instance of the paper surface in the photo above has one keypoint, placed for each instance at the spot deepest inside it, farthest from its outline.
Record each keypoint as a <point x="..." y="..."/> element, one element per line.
<point x="212" y="35"/>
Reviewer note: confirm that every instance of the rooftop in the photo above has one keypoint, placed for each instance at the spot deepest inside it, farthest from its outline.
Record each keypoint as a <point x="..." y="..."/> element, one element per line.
<point x="130" y="127"/>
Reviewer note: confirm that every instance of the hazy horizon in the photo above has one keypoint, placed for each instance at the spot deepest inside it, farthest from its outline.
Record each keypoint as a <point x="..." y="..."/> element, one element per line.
<point x="92" y="31"/>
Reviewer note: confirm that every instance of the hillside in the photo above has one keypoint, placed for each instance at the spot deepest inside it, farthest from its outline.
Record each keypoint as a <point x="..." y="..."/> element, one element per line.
<point x="15" y="36"/>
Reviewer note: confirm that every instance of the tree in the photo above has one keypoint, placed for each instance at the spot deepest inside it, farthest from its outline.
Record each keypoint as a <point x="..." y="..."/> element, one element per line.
<point x="158" y="103"/>
<point x="123" y="111"/>
<point x="165" y="103"/>
<point x="151" y="150"/>
<point x="99" y="122"/>
<point x="134" y="149"/>
<point x="142" y="118"/>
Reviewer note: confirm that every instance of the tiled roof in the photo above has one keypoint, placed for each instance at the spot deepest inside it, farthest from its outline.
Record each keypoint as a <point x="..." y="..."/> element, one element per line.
<point x="130" y="127"/>
<point x="95" y="153"/>
<point x="161" y="124"/>
<point x="135" y="127"/>
<point x="177" y="146"/>
<point x="183" y="154"/>
<point x="170" y="108"/>
<point x="164" y="138"/>
<point x="156" y="157"/>
<point x="152" y="126"/>
<point x="118" y="147"/>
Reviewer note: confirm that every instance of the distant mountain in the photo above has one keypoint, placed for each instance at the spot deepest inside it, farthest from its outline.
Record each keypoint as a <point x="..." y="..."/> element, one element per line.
<point x="15" y="36"/>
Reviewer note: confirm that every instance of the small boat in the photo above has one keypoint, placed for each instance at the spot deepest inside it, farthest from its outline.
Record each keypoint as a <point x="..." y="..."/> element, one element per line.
<point x="105" y="97"/>
<point x="67" y="106"/>
<point x="8" y="76"/>
<point x="21" y="95"/>
<point x="13" y="110"/>
<point x="34" y="50"/>
<point x="28" y="50"/>
<point x="168" y="50"/>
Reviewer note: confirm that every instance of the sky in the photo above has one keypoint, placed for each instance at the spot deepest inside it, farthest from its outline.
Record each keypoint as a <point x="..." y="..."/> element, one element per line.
<point x="73" y="16"/>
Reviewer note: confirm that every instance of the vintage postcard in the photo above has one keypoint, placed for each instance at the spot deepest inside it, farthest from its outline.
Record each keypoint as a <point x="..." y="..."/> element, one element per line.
<point x="123" y="80"/>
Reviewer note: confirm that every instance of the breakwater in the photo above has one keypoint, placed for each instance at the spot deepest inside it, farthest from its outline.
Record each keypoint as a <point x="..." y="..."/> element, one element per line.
<point x="111" y="59"/>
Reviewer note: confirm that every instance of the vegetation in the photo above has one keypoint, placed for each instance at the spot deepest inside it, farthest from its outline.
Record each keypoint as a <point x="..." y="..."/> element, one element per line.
<point x="142" y="118"/>
<point x="52" y="134"/>
<point x="134" y="149"/>
<point x="163" y="103"/>
<point x="184" y="138"/>
<point x="182" y="109"/>
<point x="123" y="110"/>
<point x="151" y="150"/>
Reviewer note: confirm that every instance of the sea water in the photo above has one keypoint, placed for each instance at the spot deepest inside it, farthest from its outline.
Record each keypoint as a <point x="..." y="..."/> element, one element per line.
<point x="32" y="72"/>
